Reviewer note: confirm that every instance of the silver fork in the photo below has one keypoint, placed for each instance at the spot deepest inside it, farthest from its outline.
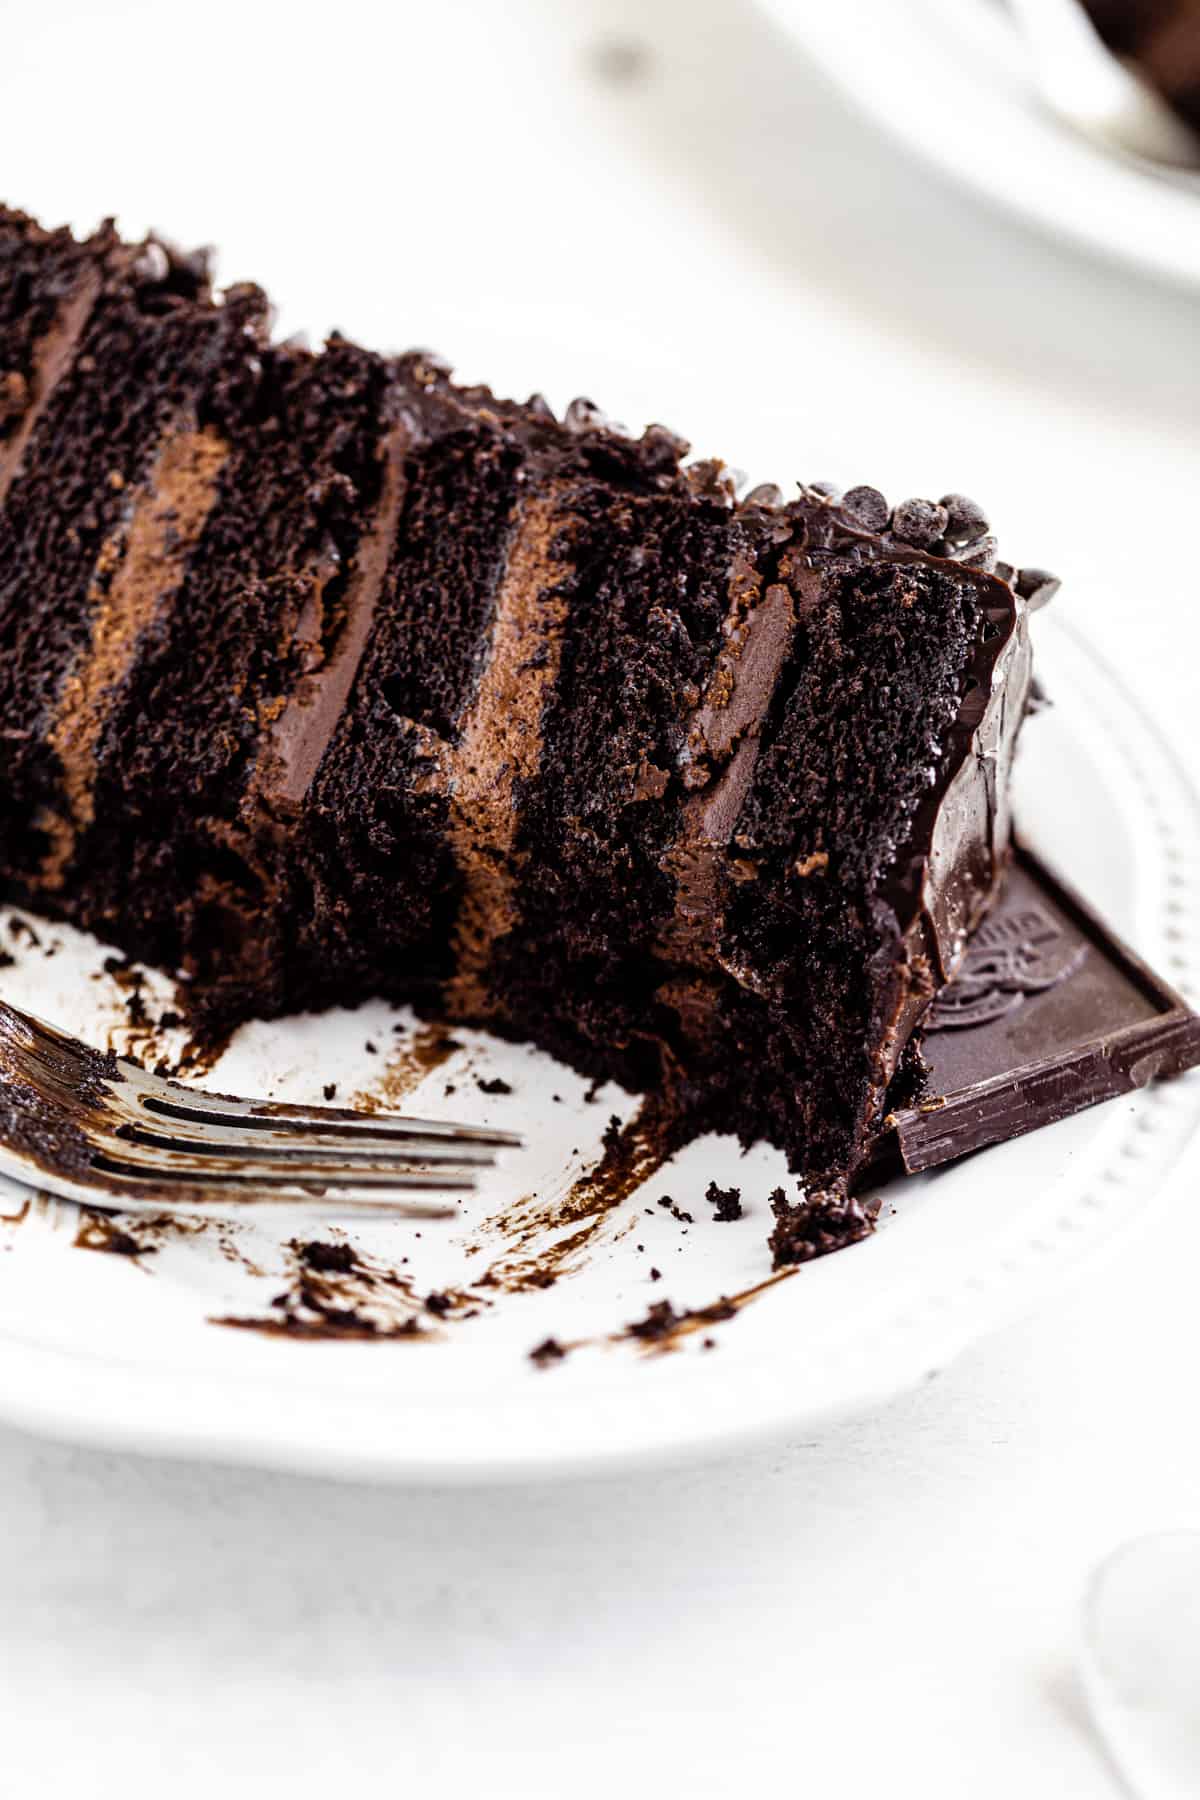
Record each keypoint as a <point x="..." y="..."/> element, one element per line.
<point x="100" y="1130"/>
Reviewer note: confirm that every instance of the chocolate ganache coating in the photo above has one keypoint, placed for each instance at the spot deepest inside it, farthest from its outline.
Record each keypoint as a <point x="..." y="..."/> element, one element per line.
<point x="947" y="872"/>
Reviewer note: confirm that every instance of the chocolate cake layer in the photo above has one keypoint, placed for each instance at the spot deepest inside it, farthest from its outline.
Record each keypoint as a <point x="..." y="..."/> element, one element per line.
<point x="190" y="753"/>
<point x="331" y="678"/>
<point x="107" y="481"/>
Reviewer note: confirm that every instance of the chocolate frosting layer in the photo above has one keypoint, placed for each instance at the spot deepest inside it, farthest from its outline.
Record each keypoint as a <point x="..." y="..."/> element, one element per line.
<point x="139" y="571"/>
<point x="295" y="741"/>
<point x="722" y="750"/>
<point x="500" y="744"/>
<point x="52" y="360"/>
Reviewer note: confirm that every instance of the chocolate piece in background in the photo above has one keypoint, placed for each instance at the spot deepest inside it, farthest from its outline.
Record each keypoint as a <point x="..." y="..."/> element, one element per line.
<point x="1161" y="38"/>
<point x="1049" y="1014"/>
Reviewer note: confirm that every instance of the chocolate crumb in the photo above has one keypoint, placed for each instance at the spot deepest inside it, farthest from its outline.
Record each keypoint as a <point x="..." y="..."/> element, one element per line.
<point x="663" y="1321"/>
<point x="497" y="1085"/>
<point x="98" y="1232"/>
<point x="820" y="1222"/>
<point x="438" y="1304"/>
<point x="659" y="1322"/>
<point x="547" y="1352"/>
<point x="656" y="1274"/>
<point x="327" y="1259"/>
<point x="329" y="1090"/>
<point x="1037" y="586"/>
<point x="727" y="1201"/>
<point x="121" y="1244"/>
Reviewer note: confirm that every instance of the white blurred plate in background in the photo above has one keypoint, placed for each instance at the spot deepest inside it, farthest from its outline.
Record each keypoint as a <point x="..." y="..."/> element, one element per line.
<point x="950" y="80"/>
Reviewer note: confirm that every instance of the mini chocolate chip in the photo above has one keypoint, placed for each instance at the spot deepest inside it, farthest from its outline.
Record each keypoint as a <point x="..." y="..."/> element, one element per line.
<point x="965" y="519"/>
<point x="665" y="445"/>
<point x="919" y="522"/>
<point x="867" y="507"/>
<point x="584" y="415"/>
<point x="981" y="555"/>
<point x="710" y="479"/>
<point x="152" y="264"/>
<point x="1037" y="586"/>
<point x="765" y="494"/>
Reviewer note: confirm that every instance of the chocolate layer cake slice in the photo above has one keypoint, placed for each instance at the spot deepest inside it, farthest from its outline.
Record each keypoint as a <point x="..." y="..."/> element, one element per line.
<point x="326" y="677"/>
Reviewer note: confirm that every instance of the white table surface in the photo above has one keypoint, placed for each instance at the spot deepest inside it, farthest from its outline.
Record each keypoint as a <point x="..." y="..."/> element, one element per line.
<point x="889" y="1607"/>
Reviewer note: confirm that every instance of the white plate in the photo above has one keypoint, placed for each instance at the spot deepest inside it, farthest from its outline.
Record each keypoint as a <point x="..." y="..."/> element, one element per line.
<point x="120" y="1351"/>
<point x="949" y="79"/>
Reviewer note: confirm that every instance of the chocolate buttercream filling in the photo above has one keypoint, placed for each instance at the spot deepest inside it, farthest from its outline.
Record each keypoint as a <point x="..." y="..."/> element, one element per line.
<point x="139" y="570"/>
<point x="500" y="744"/>
<point x="51" y="361"/>
<point x="296" y="739"/>
<point x="724" y="737"/>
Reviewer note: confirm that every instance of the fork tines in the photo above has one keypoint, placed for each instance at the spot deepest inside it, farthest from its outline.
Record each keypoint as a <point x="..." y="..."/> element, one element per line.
<point x="148" y="1136"/>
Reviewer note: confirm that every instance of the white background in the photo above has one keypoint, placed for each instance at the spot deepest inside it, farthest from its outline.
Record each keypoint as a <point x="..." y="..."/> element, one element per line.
<point x="890" y="1607"/>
